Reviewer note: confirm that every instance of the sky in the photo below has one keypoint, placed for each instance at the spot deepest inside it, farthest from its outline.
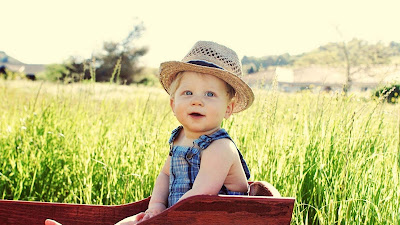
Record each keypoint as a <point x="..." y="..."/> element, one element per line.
<point x="50" y="31"/>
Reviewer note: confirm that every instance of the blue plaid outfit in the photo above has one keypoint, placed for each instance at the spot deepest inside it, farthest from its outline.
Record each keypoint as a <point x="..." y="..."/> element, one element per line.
<point x="185" y="164"/>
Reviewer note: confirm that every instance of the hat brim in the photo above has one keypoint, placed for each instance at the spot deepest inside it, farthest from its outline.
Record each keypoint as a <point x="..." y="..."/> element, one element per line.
<point x="244" y="94"/>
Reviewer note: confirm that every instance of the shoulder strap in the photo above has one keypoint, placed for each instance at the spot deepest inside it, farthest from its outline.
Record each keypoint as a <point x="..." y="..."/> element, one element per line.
<point x="174" y="135"/>
<point x="205" y="140"/>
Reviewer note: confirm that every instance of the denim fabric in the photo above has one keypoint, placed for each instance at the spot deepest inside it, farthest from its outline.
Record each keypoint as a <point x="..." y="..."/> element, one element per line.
<point x="185" y="164"/>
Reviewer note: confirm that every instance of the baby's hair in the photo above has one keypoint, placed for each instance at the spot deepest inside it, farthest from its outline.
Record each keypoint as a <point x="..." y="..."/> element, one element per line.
<point x="178" y="77"/>
<point x="175" y="84"/>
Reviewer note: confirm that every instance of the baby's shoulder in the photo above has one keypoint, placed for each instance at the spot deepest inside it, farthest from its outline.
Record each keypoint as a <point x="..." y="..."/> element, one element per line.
<point x="222" y="146"/>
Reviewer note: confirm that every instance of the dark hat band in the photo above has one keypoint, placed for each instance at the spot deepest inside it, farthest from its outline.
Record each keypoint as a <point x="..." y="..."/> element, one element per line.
<point x="204" y="63"/>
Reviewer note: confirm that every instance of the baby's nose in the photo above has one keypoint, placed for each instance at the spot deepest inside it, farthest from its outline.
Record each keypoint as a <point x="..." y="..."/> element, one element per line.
<point x="197" y="100"/>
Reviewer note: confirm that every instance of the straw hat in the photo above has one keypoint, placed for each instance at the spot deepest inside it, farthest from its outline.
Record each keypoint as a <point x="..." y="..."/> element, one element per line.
<point x="214" y="59"/>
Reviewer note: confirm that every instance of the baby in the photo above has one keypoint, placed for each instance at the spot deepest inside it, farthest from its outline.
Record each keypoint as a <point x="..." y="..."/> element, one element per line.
<point x="204" y="88"/>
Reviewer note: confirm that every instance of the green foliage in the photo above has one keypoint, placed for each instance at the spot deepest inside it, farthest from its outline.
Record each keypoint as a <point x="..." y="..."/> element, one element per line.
<point x="118" y="62"/>
<point x="11" y="75"/>
<point x="395" y="48"/>
<point x="118" y="65"/>
<point x="390" y="93"/>
<point x="54" y="72"/>
<point x="254" y="64"/>
<point x="148" y="77"/>
<point x="329" y="54"/>
<point x="68" y="72"/>
<point x="105" y="144"/>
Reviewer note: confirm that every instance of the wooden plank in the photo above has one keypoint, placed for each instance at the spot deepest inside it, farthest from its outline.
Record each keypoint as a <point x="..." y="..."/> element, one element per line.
<point x="29" y="212"/>
<point x="264" y="206"/>
<point x="201" y="209"/>
<point x="224" y="209"/>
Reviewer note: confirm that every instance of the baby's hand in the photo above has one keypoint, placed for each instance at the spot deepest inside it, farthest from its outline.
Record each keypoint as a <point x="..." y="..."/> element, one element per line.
<point x="155" y="209"/>
<point x="132" y="219"/>
<point x="51" y="222"/>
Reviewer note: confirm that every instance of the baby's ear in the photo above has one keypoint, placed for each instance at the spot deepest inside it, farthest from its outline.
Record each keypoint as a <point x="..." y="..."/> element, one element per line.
<point x="229" y="109"/>
<point x="172" y="104"/>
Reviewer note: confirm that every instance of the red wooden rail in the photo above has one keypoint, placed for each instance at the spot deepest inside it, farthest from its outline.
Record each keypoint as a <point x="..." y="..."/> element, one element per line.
<point x="227" y="210"/>
<point x="201" y="209"/>
<point x="32" y="213"/>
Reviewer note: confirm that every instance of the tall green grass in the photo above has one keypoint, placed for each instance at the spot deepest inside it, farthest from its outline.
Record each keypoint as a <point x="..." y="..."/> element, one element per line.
<point x="105" y="144"/>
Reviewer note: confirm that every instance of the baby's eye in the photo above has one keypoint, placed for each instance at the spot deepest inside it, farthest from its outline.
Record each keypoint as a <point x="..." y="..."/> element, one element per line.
<point x="209" y="94"/>
<point x="187" y="93"/>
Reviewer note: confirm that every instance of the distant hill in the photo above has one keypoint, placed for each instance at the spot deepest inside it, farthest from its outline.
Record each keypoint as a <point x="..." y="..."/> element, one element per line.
<point x="359" y="52"/>
<point x="15" y="65"/>
<point x="4" y="58"/>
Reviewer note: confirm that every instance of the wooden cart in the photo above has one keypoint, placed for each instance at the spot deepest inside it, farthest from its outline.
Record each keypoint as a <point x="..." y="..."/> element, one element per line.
<point x="263" y="206"/>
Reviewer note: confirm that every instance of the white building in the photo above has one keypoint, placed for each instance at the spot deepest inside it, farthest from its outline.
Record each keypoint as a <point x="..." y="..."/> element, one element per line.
<point x="326" y="78"/>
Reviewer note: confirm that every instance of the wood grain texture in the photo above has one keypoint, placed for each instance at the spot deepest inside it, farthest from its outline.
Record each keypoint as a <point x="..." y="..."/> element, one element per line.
<point x="201" y="209"/>
<point x="227" y="209"/>
<point x="26" y="212"/>
<point x="265" y="206"/>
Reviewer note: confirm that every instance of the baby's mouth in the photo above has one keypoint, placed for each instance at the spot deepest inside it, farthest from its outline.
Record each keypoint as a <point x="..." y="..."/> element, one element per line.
<point x="194" y="114"/>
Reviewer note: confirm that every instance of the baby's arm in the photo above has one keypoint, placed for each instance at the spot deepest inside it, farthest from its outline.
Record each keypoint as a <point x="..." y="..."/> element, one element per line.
<point x="215" y="165"/>
<point x="159" y="198"/>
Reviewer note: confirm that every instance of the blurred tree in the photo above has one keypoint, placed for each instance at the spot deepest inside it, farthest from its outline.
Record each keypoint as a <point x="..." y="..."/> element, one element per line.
<point x="390" y="93"/>
<point x="119" y="61"/>
<point x="395" y="46"/>
<point x="358" y="55"/>
<point x="55" y="72"/>
<point x="255" y="64"/>
<point x="3" y="71"/>
<point x="72" y="70"/>
<point x="324" y="55"/>
<point x="251" y="70"/>
<point x="250" y="62"/>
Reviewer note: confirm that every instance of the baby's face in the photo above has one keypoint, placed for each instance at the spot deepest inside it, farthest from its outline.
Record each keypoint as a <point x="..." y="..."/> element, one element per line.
<point x="201" y="102"/>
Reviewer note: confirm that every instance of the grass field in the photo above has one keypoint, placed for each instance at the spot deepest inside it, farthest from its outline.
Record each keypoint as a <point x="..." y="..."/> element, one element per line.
<point x="104" y="144"/>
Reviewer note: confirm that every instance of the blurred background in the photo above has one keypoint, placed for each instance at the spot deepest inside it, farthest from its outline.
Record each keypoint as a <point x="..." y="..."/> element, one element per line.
<point x="335" y="45"/>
